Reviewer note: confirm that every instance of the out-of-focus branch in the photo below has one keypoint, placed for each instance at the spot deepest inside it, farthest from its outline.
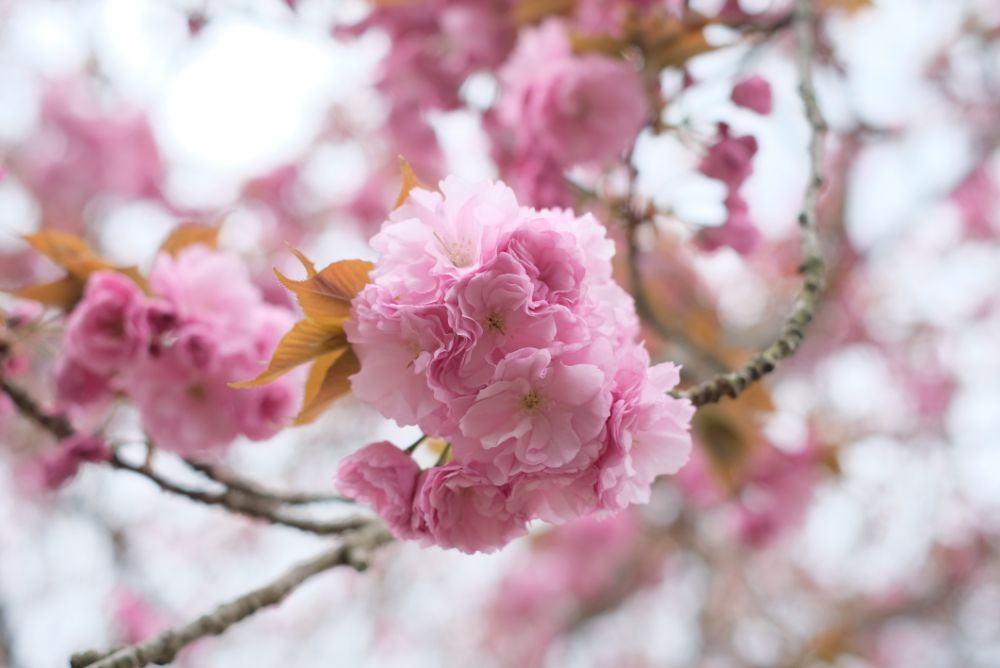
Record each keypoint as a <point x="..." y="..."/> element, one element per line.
<point x="232" y="499"/>
<point x="240" y="502"/>
<point x="6" y="641"/>
<point x="355" y="551"/>
<point x="644" y="307"/>
<point x="813" y="271"/>
<point x="251" y="488"/>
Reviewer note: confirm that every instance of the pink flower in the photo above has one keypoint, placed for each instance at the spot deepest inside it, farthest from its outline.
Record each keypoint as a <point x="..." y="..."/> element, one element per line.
<point x="648" y="431"/>
<point x="435" y="238"/>
<point x="501" y="330"/>
<point x="754" y="93"/>
<point x="540" y="181"/>
<point x="208" y="287"/>
<point x="395" y="344"/>
<point x="62" y="464"/>
<point x="537" y="413"/>
<point x="738" y="232"/>
<point x="212" y="327"/>
<point x="457" y="507"/>
<point x="79" y="386"/>
<point x="730" y="159"/>
<point x="84" y="152"/>
<point x="577" y="109"/>
<point x="182" y="409"/>
<point x="385" y="477"/>
<point x="108" y="328"/>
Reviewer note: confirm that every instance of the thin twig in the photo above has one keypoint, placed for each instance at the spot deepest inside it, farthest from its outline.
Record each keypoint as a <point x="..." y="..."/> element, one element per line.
<point x="254" y="489"/>
<point x="355" y="551"/>
<point x="235" y="500"/>
<point x="240" y="502"/>
<point x="731" y="384"/>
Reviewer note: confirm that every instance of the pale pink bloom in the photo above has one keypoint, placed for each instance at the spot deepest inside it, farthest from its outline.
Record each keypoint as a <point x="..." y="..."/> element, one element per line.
<point x="730" y="159"/>
<point x="183" y="410"/>
<point x="268" y="409"/>
<point x="435" y="238"/>
<point x="212" y="328"/>
<point x="648" y="431"/>
<point x="501" y="330"/>
<point x="395" y="344"/>
<point x="577" y="109"/>
<point x="384" y="477"/>
<point x="83" y="152"/>
<point x="753" y="93"/>
<point x="498" y="310"/>
<point x="588" y="236"/>
<point x="557" y="498"/>
<point x="457" y="507"/>
<point x="211" y="288"/>
<point x="538" y="413"/>
<point x="539" y="181"/>
<point x="108" y="328"/>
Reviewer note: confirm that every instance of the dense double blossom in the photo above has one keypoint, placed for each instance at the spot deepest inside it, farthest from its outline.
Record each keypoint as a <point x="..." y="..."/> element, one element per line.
<point x="500" y="329"/>
<point x="174" y="352"/>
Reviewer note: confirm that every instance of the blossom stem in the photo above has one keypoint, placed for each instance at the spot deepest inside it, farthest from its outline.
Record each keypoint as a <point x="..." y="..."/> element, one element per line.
<point x="414" y="445"/>
<point x="235" y="500"/>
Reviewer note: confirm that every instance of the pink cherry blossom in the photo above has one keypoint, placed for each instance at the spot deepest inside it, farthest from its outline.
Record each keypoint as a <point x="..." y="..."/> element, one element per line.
<point x="646" y="432"/>
<point x="395" y="344"/>
<point x="212" y="328"/>
<point x="500" y="329"/>
<point x="77" y="385"/>
<point x="455" y="506"/>
<point x="108" y="328"/>
<point x="577" y="109"/>
<point x="435" y="238"/>
<point x="537" y="413"/>
<point x="730" y="159"/>
<point x="738" y="232"/>
<point x="208" y="287"/>
<point x="385" y="477"/>
<point x="754" y="93"/>
<point x="63" y="463"/>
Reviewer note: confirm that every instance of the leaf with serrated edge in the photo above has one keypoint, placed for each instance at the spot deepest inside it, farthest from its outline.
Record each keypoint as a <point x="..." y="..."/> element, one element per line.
<point x="329" y="379"/>
<point x="303" y="343"/>
<point x="325" y="297"/>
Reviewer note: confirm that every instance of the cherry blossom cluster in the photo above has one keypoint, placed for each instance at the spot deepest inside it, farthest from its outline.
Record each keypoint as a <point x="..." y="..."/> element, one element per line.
<point x="730" y="160"/>
<point x="173" y="352"/>
<point x="499" y="328"/>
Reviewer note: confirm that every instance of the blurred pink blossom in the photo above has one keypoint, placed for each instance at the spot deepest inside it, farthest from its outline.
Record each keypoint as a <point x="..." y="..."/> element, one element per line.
<point x="576" y="109"/>
<point x="754" y="93"/>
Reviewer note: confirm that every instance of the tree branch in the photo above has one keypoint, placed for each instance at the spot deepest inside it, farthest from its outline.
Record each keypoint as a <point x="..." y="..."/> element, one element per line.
<point x="251" y="488"/>
<point x="355" y="551"/>
<point x="233" y="499"/>
<point x="812" y="269"/>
